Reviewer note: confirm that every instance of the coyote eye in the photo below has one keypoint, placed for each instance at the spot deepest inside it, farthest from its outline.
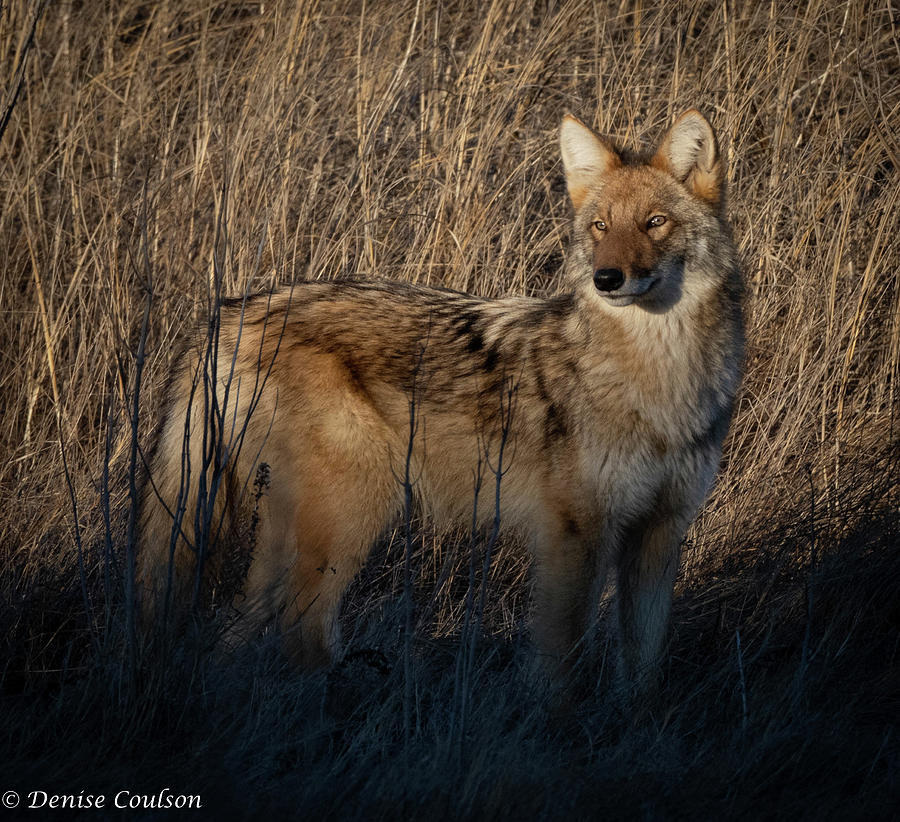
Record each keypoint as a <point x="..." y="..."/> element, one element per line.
<point x="599" y="225"/>
<point x="656" y="221"/>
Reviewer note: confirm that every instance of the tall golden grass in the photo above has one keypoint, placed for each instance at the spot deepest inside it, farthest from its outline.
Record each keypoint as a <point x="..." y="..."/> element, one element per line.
<point x="151" y="143"/>
<point x="417" y="140"/>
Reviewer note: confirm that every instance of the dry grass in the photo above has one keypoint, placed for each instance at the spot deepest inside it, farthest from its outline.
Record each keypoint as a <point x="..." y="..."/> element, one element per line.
<point x="417" y="140"/>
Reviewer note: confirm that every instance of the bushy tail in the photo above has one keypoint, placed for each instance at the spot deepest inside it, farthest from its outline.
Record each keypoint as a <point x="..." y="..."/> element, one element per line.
<point x="183" y="521"/>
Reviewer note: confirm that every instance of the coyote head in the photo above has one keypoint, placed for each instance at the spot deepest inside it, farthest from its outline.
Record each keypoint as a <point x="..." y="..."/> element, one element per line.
<point x="644" y="225"/>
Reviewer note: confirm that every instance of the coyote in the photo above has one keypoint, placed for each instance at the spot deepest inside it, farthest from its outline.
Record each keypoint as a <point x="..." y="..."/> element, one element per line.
<point x="291" y="434"/>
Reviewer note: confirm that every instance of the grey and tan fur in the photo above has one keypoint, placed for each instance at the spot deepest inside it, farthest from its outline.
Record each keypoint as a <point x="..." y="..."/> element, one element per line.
<point x="617" y="394"/>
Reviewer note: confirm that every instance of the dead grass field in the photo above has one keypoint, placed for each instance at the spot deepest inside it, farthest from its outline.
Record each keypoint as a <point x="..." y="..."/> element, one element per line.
<point x="147" y="145"/>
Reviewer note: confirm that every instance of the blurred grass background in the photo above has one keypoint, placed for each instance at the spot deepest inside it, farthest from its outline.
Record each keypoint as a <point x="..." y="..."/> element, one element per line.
<point x="416" y="140"/>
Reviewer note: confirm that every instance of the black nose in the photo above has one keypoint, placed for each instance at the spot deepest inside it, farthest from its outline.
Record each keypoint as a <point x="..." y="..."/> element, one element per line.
<point x="608" y="279"/>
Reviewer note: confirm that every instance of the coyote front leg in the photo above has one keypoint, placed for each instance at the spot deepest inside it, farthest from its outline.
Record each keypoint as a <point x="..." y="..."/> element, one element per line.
<point x="648" y="563"/>
<point x="563" y="594"/>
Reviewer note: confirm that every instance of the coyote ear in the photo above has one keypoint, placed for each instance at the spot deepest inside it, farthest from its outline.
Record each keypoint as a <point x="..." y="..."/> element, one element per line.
<point x="585" y="157"/>
<point x="690" y="153"/>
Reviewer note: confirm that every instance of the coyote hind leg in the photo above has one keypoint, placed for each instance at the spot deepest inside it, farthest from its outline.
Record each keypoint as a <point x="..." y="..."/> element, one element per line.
<point x="335" y="528"/>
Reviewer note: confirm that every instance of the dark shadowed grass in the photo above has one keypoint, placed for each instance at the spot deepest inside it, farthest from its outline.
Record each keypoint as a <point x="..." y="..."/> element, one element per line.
<point x="416" y="141"/>
<point x="768" y="729"/>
